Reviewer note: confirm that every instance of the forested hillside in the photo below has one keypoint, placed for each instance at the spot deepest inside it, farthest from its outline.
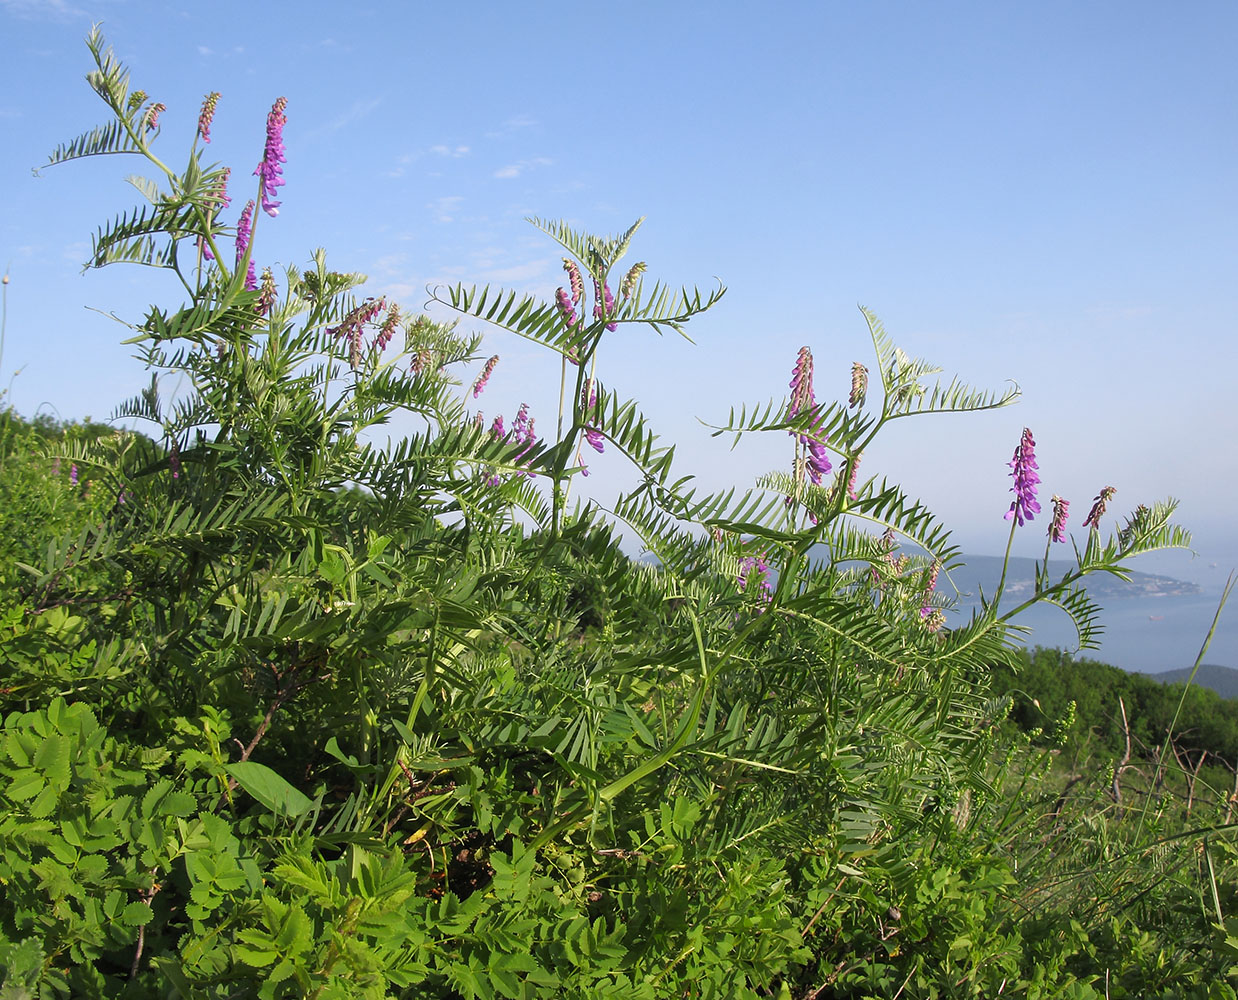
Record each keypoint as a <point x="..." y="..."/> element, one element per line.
<point x="1045" y="682"/>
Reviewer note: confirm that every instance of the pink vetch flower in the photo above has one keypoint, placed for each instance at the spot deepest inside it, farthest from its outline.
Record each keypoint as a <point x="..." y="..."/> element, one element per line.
<point x="244" y="229"/>
<point x="267" y="294"/>
<point x="73" y="473"/>
<point x="1024" y="467"/>
<point x="932" y="618"/>
<point x="484" y="377"/>
<point x="421" y="361"/>
<point x="269" y="169"/>
<point x="352" y="326"/>
<point x="801" y="383"/>
<point x="628" y="285"/>
<point x="1099" y="504"/>
<point x="207" y="115"/>
<point x="859" y="384"/>
<point x="152" y="116"/>
<point x="496" y="428"/>
<point x="602" y="294"/>
<point x="596" y="441"/>
<point x="755" y="567"/>
<point x="520" y="426"/>
<point x="1061" y="510"/>
<point x="523" y="430"/>
<point x="387" y="331"/>
<point x="574" y="279"/>
<point x="852" y="475"/>
<point x="564" y="302"/>
<point x="221" y="192"/>
<point x="817" y="460"/>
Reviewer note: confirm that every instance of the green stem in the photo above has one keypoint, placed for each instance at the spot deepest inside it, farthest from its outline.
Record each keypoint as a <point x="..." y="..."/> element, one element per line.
<point x="1001" y="584"/>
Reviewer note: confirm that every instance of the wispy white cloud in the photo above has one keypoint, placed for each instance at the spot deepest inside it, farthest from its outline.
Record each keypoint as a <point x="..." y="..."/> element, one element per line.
<point x="358" y="110"/>
<point x="520" y="166"/>
<point x="391" y="265"/>
<point x="513" y="124"/>
<point x="54" y="10"/>
<point x="402" y="164"/>
<point x="443" y="209"/>
<point x="519" y="272"/>
<point x="455" y="152"/>
<point x="205" y="50"/>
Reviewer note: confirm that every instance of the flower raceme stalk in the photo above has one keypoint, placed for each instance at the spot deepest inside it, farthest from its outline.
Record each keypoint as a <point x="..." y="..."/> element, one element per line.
<point x="1024" y="467"/>
<point x="564" y="301"/>
<point x="152" y="116"/>
<point x="387" y="330"/>
<point x="244" y="230"/>
<point x="575" y="280"/>
<point x="628" y="285"/>
<point x="480" y="385"/>
<point x="1099" y="504"/>
<point x="270" y="170"/>
<point x="801" y="383"/>
<point x="1061" y="510"/>
<point x="352" y="327"/>
<point x="207" y="115"/>
<point x="814" y="461"/>
<point x="859" y="385"/>
<point x="602" y="296"/>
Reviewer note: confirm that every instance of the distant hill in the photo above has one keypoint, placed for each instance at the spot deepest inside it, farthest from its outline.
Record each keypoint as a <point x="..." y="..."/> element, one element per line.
<point x="1222" y="680"/>
<point x="985" y="571"/>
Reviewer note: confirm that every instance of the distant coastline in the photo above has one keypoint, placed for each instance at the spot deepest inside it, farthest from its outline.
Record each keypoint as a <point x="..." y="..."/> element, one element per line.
<point x="1152" y="624"/>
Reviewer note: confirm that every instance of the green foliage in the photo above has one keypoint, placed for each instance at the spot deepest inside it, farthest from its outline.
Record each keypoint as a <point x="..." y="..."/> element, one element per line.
<point x="291" y="713"/>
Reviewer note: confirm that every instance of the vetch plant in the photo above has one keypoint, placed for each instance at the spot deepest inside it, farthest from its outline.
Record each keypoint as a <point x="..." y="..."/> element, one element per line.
<point x="402" y="720"/>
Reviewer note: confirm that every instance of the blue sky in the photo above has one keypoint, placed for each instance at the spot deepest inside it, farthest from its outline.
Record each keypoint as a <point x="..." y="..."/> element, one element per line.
<point x="1038" y="192"/>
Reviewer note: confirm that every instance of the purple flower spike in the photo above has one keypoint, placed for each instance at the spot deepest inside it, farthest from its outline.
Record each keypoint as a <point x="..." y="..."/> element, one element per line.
<point x="520" y="426"/>
<point x="801" y="383"/>
<point x="244" y="228"/>
<point x="1024" y="505"/>
<point x="595" y="439"/>
<point x="564" y="302"/>
<point x="859" y="384"/>
<point x="818" y="461"/>
<point x="1061" y="510"/>
<point x="484" y="377"/>
<point x="851" y="478"/>
<point x="751" y="566"/>
<point x="601" y="295"/>
<point x="73" y="473"/>
<point x="152" y="116"/>
<point x="1098" y="507"/>
<point x="269" y="169"/>
<point x="574" y="279"/>
<point x="221" y="192"/>
<point x="207" y="115"/>
<point x="388" y="328"/>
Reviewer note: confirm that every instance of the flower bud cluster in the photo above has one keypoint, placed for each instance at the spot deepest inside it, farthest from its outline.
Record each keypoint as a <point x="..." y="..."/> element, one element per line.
<point x="207" y="115"/>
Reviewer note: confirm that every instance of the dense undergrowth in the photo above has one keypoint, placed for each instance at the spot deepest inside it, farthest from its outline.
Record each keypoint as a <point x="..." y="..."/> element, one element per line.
<point x="288" y="713"/>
